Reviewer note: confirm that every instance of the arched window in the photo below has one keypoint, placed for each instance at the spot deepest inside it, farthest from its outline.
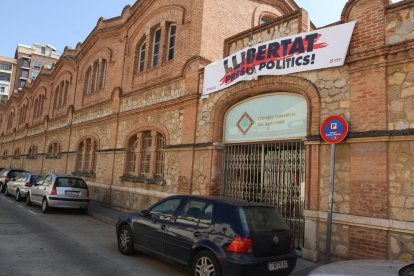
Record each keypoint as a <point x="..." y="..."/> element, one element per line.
<point x="32" y="154"/>
<point x="102" y="78"/>
<point x="39" y="107"/>
<point x="144" y="155"/>
<point x="16" y="154"/>
<point x="86" y="156"/>
<point x="53" y="151"/>
<point x="141" y="57"/>
<point x="267" y="18"/>
<point x="10" y="120"/>
<point x="156" y="45"/>
<point x="61" y="94"/>
<point x="5" y="154"/>
<point x="22" y="114"/>
<point x="88" y="81"/>
<point x="171" y="41"/>
<point x="95" y="76"/>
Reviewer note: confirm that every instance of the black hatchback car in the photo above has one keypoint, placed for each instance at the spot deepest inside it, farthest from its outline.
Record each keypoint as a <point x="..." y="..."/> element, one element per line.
<point x="211" y="235"/>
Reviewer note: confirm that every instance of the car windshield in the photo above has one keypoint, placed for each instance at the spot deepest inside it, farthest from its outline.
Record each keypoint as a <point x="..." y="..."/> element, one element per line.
<point x="258" y="219"/>
<point x="15" y="173"/>
<point x="71" y="182"/>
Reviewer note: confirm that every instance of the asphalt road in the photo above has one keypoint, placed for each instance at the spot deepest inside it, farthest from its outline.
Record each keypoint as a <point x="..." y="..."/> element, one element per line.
<point x="65" y="242"/>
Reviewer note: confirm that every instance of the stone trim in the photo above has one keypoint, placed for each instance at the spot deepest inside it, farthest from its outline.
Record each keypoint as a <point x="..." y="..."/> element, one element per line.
<point x="136" y="179"/>
<point x="140" y="191"/>
<point x="383" y="135"/>
<point x="367" y="222"/>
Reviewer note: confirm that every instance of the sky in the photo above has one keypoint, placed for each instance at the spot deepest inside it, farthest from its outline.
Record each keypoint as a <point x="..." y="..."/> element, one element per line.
<point x="65" y="23"/>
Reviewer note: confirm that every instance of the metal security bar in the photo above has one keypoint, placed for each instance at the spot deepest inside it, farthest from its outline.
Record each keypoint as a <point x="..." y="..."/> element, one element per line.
<point x="270" y="173"/>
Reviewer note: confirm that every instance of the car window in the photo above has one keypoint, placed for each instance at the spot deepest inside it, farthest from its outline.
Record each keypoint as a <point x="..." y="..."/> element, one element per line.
<point x="48" y="181"/>
<point x="165" y="209"/>
<point x="257" y="219"/>
<point x="15" y="173"/>
<point x="20" y="177"/>
<point x="196" y="213"/>
<point x="34" y="178"/>
<point x="40" y="180"/>
<point x="71" y="182"/>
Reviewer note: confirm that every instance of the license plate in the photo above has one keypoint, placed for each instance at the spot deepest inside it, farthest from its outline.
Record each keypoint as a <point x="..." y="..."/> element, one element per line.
<point x="277" y="265"/>
<point x="72" y="193"/>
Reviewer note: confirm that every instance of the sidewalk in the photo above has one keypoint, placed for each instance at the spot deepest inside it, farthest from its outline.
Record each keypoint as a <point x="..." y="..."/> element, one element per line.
<point x="110" y="216"/>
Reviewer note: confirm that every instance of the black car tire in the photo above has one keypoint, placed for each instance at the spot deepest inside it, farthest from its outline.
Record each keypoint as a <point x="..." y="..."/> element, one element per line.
<point x="6" y="192"/>
<point x="125" y="242"/>
<point x="45" y="206"/>
<point x="18" y="196"/>
<point x="83" y="211"/>
<point x="28" y="200"/>
<point x="2" y="188"/>
<point x="205" y="263"/>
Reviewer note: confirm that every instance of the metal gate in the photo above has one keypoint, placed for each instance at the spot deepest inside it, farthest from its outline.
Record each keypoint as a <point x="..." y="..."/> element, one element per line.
<point x="270" y="173"/>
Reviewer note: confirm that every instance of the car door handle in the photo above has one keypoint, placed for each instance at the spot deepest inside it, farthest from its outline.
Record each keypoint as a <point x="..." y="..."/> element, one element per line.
<point x="163" y="227"/>
<point x="197" y="234"/>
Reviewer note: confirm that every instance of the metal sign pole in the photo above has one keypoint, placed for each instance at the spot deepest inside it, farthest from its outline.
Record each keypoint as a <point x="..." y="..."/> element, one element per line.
<point x="330" y="205"/>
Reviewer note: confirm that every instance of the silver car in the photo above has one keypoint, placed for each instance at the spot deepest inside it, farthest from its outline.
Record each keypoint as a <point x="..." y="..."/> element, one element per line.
<point x="59" y="191"/>
<point x="20" y="184"/>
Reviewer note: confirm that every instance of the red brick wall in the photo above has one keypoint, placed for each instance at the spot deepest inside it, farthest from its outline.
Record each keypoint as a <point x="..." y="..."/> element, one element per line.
<point x="369" y="179"/>
<point x="366" y="243"/>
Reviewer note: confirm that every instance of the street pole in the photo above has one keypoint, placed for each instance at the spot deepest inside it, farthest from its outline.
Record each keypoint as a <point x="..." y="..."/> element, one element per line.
<point x="330" y="205"/>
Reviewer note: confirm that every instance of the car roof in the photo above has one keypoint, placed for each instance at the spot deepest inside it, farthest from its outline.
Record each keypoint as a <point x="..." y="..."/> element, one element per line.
<point x="225" y="200"/>
<point x="64" y="175"/>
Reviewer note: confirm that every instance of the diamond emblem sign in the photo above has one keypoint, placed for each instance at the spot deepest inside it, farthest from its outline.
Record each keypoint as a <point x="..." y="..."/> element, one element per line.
<point x="245" y="123"/>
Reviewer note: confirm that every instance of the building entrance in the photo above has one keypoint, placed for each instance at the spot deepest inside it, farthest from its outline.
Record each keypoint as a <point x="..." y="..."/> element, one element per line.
<point x="270" y="173"/>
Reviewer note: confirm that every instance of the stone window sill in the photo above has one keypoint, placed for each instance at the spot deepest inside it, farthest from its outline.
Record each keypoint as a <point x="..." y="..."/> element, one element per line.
<point x="137" y="179"/>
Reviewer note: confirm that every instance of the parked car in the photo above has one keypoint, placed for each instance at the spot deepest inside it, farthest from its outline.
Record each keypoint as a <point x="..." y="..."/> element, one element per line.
<point x="366" y="267"/>
<point x="59" y="191"/>
<point x="19" y="185"/>
<point x="6" y="176"/>
<point x="211" y="235"/>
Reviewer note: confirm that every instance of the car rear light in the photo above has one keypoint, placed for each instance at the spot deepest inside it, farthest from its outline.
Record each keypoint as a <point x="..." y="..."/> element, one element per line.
<point x="53" y="191"/>
<point x="87" y="192"/>
<point x="28" y="184"/>
<point x="292" y="241"/>
<point x="7" y="178"/>
<point x="241" y="245"/>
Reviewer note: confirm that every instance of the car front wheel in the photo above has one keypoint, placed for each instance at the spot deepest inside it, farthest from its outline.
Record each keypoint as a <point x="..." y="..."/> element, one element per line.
<point x="206" y="264"/>
<point x="125" y="243"/>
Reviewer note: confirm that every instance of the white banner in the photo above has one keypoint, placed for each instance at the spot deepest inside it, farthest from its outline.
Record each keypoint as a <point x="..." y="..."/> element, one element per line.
<point x="296" y="53"/>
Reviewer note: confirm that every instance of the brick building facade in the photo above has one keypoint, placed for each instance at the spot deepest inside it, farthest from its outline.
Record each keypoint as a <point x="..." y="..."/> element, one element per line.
<point x="124" y="110"/>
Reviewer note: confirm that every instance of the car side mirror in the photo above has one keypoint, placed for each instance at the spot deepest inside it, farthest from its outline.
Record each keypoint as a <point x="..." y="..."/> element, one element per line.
<point x="144" y="213"/>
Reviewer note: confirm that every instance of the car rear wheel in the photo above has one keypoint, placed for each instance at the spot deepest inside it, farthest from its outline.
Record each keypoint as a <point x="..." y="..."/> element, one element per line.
<point x="125" y="243"/>
<point x="84" y="211"/>
<point x="6" y="192"/>
<point x="45" y="206"/>
<point x="2" y="188"/>
<point x="18" y="196"/>
<point x="28" y="200"/>
<point x="206" y="264"/>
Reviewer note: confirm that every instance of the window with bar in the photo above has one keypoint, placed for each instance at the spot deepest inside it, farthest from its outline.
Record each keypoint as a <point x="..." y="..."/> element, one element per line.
<point x="156" y="47"/>
<point x="141" y="57"/>
<point x="171" y="41"/>
<point x="32" y="152"/>
<point x="86" y="156"/>
<point x="95" y="76"/>
<point x="144" y="155"/>
<point x="53" y="150"/>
